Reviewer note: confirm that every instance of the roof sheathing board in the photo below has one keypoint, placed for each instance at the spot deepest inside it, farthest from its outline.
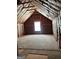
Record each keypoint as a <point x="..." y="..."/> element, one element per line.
<point x="23" y="15"/>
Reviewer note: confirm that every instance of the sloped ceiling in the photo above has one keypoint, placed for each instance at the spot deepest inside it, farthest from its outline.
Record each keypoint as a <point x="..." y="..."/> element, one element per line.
<point x="48" y="8"/>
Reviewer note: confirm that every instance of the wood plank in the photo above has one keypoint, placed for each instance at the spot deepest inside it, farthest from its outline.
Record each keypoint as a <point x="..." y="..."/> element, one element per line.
<point x="34" y="56"/>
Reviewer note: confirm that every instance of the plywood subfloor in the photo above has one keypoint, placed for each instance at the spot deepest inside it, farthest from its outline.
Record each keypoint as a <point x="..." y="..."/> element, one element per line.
<point x="34" y="56"/>
<point x="45" y="42"/>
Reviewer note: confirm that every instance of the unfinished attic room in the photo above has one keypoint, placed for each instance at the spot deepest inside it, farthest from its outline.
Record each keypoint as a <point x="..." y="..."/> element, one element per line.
<point x="38" y="29"/>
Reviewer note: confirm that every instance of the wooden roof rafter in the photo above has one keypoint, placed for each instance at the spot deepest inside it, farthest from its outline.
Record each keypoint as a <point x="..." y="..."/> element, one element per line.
<point x="26" y="11"/>
<point x="28" y="6"/>
<point x="20" y="2"/>
<point x="47" y="8"/>
<point x="54" y="4"/>
<point x="42" y="2"/>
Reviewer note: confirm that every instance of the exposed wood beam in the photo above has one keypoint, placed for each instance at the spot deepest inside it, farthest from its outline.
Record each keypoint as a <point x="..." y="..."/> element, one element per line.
<point x="31" y="9"/>
<point x="19" y="2"/>
<point x="58" y="1"/>
<point x="29" y="6"/>
<point x="42" y="3"/>
<point x="48" y="8"/>
<point x="26" y="11"/>
<point x="57" y="6"/>
<point x="22" y="13"/>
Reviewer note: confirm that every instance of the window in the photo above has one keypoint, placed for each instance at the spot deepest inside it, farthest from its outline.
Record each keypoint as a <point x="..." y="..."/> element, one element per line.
<point x="37" y="26"/>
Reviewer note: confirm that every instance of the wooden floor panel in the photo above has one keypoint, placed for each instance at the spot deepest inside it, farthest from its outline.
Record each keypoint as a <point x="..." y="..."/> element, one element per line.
<point x="34" y="56"/>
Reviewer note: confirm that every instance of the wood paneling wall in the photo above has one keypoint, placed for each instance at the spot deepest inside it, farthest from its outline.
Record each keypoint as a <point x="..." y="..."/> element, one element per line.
<point x="46" y="24"/>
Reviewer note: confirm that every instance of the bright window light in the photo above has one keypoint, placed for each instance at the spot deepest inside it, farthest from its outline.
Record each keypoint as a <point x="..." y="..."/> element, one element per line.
<point x="37" y="26"/>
